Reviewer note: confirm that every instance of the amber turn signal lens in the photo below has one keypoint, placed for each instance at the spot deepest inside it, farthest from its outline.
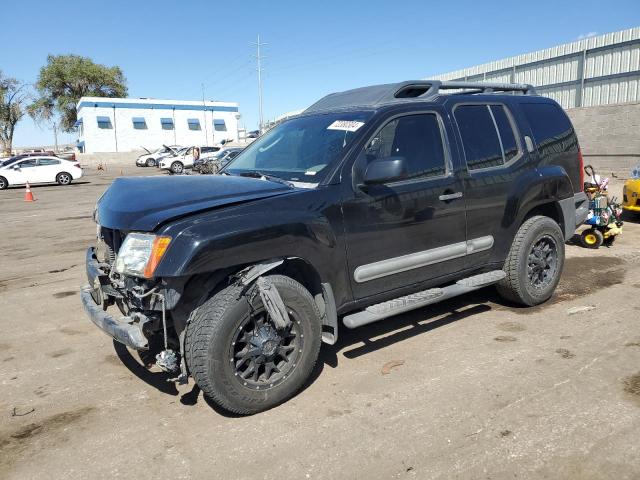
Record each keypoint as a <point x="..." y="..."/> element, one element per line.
<point x="160" y="245"/>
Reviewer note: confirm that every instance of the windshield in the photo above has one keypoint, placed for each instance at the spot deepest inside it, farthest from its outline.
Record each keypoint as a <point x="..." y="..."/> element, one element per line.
<point x="10" y="161"/>
<point x="301" y="149"/>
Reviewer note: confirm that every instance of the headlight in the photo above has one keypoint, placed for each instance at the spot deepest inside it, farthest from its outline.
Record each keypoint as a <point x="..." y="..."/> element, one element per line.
<point x="140" y="254"/>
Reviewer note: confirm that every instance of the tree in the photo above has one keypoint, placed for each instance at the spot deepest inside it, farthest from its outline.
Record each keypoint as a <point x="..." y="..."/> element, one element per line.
<point x="66" y="78"/>
<point x="13" y="104"/>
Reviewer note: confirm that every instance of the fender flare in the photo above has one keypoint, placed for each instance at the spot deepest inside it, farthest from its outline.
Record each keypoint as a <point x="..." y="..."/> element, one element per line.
<point x="325" y="301"/>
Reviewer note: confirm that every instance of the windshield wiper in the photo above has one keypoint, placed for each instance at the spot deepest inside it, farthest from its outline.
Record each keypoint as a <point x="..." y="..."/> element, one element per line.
<point x="258" y="174"/>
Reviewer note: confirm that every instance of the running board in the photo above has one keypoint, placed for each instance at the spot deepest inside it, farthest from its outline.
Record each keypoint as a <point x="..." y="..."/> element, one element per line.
<point x="399" y="305"/>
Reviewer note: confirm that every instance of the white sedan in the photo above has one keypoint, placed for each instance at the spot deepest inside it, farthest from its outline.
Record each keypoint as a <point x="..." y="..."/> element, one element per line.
<point x="34" y="170"/>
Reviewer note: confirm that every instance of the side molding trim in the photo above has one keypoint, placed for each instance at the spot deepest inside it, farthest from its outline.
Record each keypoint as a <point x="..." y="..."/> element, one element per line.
<point x="391" y="266"/>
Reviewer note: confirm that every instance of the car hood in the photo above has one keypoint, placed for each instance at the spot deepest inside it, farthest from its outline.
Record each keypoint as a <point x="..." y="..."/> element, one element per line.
<point x="143" y="203"/>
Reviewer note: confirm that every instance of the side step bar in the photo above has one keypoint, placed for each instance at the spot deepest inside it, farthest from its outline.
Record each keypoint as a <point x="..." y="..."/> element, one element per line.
<point x="399" y="305"/>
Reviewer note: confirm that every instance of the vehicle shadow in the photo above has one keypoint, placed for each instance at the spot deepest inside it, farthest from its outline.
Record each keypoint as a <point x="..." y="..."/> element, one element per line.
<point x="384" y="333"/>
<point x="372" y="337"/>
<point x="158" y="380"/>
<point x="45" y="185"/>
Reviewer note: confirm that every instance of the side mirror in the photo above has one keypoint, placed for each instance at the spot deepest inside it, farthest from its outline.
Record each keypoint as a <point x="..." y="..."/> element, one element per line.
<point x="385" y="170"/>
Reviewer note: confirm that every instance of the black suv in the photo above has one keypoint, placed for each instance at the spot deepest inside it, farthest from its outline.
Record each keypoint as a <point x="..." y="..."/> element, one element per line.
<point x="372" y="202"/>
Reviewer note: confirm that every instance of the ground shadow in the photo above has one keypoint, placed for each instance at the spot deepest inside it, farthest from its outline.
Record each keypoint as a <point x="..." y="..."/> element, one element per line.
<point x="157" y="380"/>
<point x="384" y="333"/>
<point x="45" y="185"/>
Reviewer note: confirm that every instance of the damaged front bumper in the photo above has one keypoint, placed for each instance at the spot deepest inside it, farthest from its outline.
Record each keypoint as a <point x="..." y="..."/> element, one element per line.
<point x="126" y="329"/>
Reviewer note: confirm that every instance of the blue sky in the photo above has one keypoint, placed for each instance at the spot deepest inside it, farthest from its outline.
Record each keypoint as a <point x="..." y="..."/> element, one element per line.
<point x="167" y="49"/>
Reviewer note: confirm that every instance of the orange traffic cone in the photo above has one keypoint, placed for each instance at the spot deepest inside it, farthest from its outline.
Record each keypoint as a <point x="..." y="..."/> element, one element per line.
<point x="28" y="196"/>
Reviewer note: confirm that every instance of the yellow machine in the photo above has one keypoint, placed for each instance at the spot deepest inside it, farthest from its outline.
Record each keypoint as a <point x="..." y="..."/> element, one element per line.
<point x="631" y="195"/>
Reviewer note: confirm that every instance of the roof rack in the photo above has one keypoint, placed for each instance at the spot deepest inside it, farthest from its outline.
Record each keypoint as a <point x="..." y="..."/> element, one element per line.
<point x="412" y="90"/>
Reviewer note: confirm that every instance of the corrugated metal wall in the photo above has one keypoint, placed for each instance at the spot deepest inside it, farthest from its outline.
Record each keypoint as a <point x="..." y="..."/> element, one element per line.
<point x="594" y="71"/>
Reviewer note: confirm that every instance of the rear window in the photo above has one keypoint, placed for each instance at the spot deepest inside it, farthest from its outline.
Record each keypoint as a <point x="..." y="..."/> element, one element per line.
<point x="549" y="125"/>
<point x="479" y="136"/>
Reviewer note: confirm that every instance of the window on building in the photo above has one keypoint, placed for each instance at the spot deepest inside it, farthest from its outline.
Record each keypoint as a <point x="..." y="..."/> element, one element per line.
<point x="416" y="138"/>
<point x="479" y="136"/>
<point x="104" y="122"/>
<point x="194" y="124"/>
<point x="166" y="123"/>
<point x="219" y="125"/>
<point x="139" y="123"/>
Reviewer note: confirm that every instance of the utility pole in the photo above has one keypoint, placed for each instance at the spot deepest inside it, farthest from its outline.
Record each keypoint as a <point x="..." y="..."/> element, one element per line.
<point x="55" y="136"/>
<point x="204" y="114"/>
<point x="259" y="59"/>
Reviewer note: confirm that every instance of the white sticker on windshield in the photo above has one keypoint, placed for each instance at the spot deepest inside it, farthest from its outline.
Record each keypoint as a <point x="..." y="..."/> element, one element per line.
<point x="345" y="125"/>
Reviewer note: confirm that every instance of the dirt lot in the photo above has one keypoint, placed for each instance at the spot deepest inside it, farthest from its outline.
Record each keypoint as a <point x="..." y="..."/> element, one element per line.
<point x="479" y="389"/>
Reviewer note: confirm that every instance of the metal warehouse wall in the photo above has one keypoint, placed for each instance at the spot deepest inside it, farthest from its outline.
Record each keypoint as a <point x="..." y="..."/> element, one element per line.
<point x="594" y="71"/>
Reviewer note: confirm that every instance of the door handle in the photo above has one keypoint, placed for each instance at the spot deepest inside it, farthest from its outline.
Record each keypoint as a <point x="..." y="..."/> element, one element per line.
<point x="450" y="196"/>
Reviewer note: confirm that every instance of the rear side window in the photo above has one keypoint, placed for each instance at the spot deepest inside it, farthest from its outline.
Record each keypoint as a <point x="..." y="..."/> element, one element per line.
<point x="48" y="161"/>
<point x="550" y="127"/>
<point x="417" y="138"/>
<point x="479" y="136"/>
<point x="507" y="137"/>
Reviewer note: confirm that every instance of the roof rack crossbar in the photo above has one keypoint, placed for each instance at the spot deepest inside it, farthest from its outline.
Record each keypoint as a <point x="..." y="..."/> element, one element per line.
<point x="487" y="87"/>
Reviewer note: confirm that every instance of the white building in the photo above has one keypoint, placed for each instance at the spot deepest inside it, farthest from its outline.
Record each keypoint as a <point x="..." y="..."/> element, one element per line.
<point x="126" y="124"/>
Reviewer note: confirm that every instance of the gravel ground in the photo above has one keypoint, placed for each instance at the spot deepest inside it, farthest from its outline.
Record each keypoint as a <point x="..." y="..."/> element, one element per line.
<point x="470" y="388"/>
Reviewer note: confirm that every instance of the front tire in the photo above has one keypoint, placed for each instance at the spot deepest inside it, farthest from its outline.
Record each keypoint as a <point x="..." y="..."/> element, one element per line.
<point x="534" y="263"/>
<point x="63" y="178"/>
<point x="177" y="167"/>
<point x="151" y="162"/>
<point x="239" y="359"/>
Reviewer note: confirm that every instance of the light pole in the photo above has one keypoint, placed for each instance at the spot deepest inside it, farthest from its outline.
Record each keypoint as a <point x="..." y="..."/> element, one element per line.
<point x="238" y="116"/>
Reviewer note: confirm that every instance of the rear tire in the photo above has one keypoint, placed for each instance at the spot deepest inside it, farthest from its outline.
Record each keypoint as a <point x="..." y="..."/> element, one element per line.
<point x="3" y="183"/>
<point x="222" y="330"/>
<point x="591" y="238"/>
<point x="534" y="263"/>
<point x="64" y="178"/>
<point x="177" y="167"/>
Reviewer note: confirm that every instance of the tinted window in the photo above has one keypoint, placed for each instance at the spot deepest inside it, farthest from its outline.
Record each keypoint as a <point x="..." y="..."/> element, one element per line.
<point x="479" y="136"/>
<point x="194" y="124"/>
<point x="549" y="125"/>
<point x="48" y="161"/>
<point x="166" y="123"/>
<point x="417" y="138"/>
<point x="28" y="163"/>
<point x="507" y="137"/>
<point x="219" y="125"/>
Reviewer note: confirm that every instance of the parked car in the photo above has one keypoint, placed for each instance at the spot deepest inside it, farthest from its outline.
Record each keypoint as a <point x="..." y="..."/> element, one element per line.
<point x="185" y="158"/>
<point x="151" y="159"/>
<point x="253" y="134"/>
<point x="220" y="159"/>
<point x="42" y="169"/>
<point x="67" y="155"/>
<point x="371" y="203"/>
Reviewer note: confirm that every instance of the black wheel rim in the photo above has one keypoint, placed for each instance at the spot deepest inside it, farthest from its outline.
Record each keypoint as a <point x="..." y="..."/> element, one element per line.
<point x="542" y="262"/>
<point x="261" y="356"/>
